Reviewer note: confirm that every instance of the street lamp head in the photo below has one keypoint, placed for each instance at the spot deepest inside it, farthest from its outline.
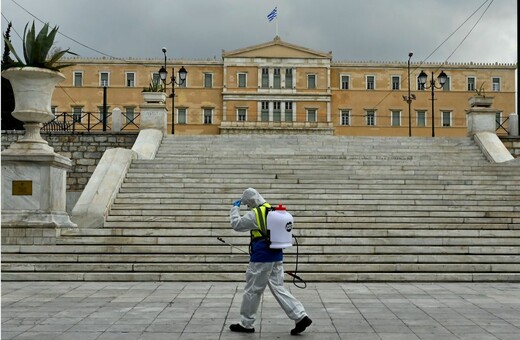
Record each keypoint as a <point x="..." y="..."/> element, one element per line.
<point x="442" y="78"/>
<point x="182" y="74"/>
<point x="410" y="54"/>
<point x="422" y="77"/>
<point x="163" y="74"/>
<point x="164" y="50"/>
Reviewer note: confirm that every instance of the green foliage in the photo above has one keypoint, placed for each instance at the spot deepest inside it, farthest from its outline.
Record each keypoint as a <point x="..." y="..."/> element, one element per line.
<point x="37" y="49"/>
<point x="480" y="91"/>
<point x="156" y="85"/>
<point x="7" y="61"/>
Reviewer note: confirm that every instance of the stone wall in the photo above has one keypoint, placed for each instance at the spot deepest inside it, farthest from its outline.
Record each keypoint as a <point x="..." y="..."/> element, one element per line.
<point x="83" y="148"/>
<point x="512" y="144"/>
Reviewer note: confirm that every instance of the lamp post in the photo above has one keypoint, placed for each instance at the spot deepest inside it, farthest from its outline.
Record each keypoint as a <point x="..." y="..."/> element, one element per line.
<point x="409" y="98"/>
<point x="422" y="81"/>
<point x="173" y="80"/>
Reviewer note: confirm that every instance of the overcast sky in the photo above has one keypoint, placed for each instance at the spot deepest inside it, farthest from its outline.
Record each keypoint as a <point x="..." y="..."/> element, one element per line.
<point x="354" y="30"/>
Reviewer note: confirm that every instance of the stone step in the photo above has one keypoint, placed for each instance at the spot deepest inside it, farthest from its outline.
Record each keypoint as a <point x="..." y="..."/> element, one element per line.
<point x="368" y="224"/>
<point x="217" y="248"/>
<point x="222" y="267"/>
<point x="234" y="256"/>
<point x="329" y="232"/>
<point x="365" y="208"/>
<point x="303" y="241"/>
<point x="234" y="277"/>
<point x="349" y="202"/>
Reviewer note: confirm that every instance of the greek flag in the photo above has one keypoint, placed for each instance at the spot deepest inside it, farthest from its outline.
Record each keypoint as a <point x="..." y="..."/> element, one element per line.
<point x="271" y="16"/>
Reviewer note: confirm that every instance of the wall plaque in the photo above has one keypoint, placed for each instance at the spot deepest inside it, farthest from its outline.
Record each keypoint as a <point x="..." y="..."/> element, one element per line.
<point x="22" y="188"/>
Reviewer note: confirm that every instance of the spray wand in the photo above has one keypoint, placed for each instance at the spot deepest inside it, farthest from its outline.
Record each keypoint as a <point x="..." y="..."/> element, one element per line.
<point x="232" y="245"/>
<point x="294" y="275"/>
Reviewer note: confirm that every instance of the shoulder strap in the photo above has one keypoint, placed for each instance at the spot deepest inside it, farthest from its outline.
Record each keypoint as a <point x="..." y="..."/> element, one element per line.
<point x="261" y="219"/>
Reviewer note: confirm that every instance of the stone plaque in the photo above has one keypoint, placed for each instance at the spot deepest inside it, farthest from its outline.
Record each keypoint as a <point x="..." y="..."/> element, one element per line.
<point x="22" y="188"/>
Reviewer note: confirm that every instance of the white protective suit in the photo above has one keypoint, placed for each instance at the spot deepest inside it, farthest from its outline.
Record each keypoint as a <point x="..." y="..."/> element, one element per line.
<point x="261" y="274"/>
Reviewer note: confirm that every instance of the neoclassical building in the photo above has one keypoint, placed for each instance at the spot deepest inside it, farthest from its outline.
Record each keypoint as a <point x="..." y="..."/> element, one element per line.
<point x="278" y="86"/>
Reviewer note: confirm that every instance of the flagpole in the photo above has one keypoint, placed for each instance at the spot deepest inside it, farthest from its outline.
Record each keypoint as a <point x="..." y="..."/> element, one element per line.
<point x="277" y="20"/>
<point x="273" y="15"/>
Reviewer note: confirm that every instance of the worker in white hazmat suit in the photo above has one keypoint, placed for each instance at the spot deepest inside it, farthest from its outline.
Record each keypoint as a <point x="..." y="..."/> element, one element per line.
<point x="265" y="266"/>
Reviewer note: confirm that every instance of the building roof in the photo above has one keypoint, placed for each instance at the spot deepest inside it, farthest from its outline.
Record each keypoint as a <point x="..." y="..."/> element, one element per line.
<point x="276" y="49"/>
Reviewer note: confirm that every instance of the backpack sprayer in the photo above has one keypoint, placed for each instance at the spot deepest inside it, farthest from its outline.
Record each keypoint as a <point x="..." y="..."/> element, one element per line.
<point x="279" y="228"/>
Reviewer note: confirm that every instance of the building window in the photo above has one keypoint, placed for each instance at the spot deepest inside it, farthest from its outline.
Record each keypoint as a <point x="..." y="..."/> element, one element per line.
<point x="242" y="80"/>
<point x="77" y="112"/>
<point x="396" y="83"/>
<point x="311" y="115"/>
<point x="182" y="115"/>
<point x="241" y="114"/>
<point x="129" y="114"/>
<point x="288" y="78"/>
<point x="345" y="117"/>
<point x="345" y="82"/>
<point x="498" y="120"/>
<point x="421" y="118"/>
<point x="208" y="80"/>
<point x="396" y="118"/>
<point x="471" y="81"/>
<point x="264" y="114"/>
<point x="277" y="111"/>
<point x="265" y="77"/>
<point x="100" y="113"/>
<point x="104" y="79"/>
<point x="78" y="79"/>
<point x="53" y="109"/>
<point x="446" y="118"/>
<point x="371" y="82"/>
<point x="130" y="79"/>
<point x="156" y="77"/>
<point x="496" y="84"/>
<point x="208" y="116"/>
<point x="277" y="79"/>
<point x="288" y="111"/>
<point x="311" y="81"/>
<point x="371" y="118"/>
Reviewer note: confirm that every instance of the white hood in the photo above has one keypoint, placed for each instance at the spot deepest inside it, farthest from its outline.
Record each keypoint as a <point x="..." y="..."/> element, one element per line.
<point x="252" y="198"/>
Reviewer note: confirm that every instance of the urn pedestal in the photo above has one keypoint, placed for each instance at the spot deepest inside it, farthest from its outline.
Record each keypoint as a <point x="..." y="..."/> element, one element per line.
<point x="33" y="175"/>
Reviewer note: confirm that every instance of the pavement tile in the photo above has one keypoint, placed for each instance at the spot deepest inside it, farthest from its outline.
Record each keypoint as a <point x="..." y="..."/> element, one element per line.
<point x="204" y="310"/>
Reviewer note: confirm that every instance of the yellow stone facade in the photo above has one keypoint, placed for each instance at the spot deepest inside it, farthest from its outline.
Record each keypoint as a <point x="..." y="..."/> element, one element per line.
<point x="285" y="88"/>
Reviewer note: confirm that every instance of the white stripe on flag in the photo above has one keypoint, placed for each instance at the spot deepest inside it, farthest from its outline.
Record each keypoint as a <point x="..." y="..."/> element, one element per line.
<point x="271" y="16"/>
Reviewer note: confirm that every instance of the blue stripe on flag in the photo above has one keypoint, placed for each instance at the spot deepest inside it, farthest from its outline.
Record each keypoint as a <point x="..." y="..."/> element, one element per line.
<point x="271" y="16"/>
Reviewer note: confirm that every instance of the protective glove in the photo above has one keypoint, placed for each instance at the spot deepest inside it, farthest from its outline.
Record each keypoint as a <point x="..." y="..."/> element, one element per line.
<point x="236" y="203"/>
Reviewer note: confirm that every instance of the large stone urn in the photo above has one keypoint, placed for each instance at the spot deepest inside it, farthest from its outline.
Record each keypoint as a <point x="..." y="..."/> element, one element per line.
<point x="33" y="88"/>
<point x="33" y="175"/>
<point x="153" y="112"/>
<point x="154" y="97"/>
<point x="480" y="101"/>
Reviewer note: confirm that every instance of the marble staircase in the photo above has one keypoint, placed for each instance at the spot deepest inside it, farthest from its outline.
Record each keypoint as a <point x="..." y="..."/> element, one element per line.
<point x="365" y="209"/>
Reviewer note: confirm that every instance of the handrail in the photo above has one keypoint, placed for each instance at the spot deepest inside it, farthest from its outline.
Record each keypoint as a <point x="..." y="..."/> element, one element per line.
<point x="501" y="125"/>
<point x="87" y="122"/>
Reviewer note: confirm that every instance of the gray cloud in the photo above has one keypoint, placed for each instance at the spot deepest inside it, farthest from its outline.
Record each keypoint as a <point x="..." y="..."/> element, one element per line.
<point x="354" y="30"/>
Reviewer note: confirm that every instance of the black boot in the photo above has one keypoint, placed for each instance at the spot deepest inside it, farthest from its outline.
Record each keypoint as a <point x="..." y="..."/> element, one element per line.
<point x="301" y="325"/>
<point x="241" y="329"/>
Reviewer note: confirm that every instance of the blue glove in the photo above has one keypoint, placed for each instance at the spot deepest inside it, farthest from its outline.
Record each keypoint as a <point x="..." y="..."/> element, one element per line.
<point x="236" y="203"/>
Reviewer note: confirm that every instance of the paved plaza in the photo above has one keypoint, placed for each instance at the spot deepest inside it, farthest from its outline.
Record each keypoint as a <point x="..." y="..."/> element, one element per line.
<point x="204" y="310"/>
